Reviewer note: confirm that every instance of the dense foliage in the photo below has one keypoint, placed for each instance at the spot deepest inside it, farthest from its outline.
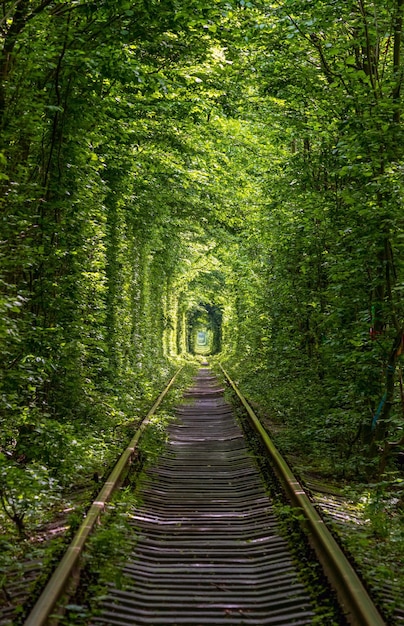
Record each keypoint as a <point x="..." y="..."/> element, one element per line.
<point x="230" y="167"/>
<point x="330" y="237"/>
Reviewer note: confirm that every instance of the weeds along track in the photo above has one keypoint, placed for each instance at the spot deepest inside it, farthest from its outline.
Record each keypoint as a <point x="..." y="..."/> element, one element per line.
<point x="209" y="548"/>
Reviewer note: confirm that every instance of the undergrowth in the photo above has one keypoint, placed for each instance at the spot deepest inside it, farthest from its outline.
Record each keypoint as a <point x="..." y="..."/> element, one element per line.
<point x="47" y="503"/>
<point x="377" y="544"/>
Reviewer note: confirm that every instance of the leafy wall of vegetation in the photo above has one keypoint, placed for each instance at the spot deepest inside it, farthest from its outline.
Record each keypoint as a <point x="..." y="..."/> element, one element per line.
<point x="327" y="254"/>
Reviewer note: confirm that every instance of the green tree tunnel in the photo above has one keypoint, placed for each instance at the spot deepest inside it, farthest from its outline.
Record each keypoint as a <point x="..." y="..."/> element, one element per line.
<point x="228" y="173"/>
<point x="204" y="330"/>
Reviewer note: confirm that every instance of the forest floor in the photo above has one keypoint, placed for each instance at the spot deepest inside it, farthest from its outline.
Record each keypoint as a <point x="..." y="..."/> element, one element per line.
<point x="26" y="561"/>
<point x="367" y="519"/>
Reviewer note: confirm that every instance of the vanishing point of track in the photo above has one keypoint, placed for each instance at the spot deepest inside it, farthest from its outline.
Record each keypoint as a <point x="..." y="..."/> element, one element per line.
<point x="209" y="549"/>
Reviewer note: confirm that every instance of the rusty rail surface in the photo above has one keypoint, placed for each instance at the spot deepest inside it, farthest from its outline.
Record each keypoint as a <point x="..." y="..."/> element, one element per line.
<point x="61" y="577"/>
<point x="355" y="601"/>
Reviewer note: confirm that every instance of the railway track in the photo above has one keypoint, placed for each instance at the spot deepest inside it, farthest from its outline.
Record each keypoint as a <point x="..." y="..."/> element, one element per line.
<point x="209" y="548"/>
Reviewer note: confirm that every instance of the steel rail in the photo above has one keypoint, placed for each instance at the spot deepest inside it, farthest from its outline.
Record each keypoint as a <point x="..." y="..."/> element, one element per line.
<point x="61" y="577"/>
<point x="353" y="597"/>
